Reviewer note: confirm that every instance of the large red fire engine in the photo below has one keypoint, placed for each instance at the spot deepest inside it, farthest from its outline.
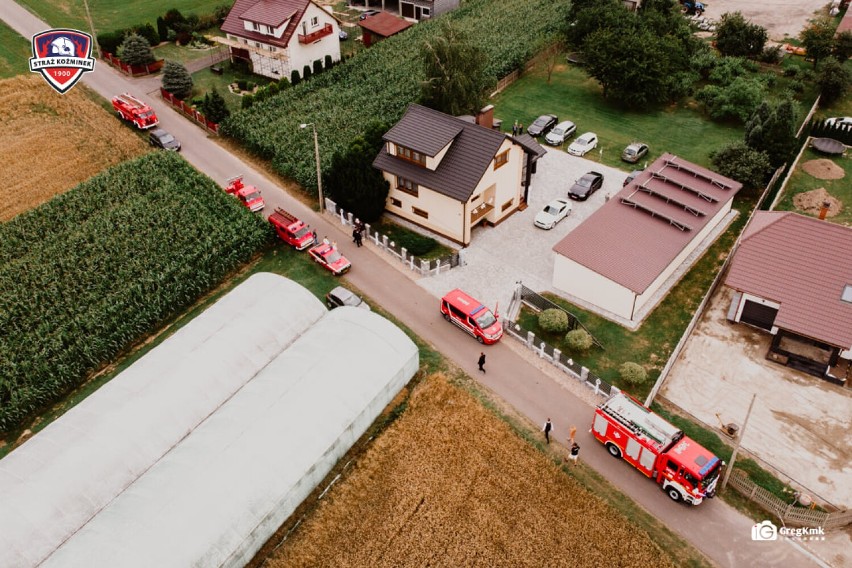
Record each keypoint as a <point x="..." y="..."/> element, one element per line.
<point x="292" y="231"/>
<point x="133" y="110"/>
<point x="681" y="466"/>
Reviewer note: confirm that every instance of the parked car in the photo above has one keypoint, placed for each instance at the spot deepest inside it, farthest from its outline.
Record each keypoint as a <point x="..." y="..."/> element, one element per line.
<point x="839" y="121"/>
<point x="631" y="177"/>
<point x="367" y="13"/>
<point x="542" y="125"/>
<point x="584" y="144"/>
<point x="560" y="133"/>
<point x="330" y="258"/>
<point x="552" y="213"/>
<point x="634" y="152"/>
<point x="340" y="296"/>
<point x="585" y="186"/>
<point x="162" y="139"/>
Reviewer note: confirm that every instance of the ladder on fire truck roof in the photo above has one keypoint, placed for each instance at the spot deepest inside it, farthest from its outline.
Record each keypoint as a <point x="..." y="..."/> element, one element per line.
<point x="130" y="100"/>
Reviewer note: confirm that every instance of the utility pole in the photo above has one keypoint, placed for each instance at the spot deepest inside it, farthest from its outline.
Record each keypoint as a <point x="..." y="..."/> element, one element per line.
<point x="737" y="445"/>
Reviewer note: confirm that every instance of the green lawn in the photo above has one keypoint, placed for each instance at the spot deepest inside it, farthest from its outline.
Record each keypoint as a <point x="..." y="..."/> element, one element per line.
<point x="184" y="55"/>
<point x="801" y="181"/>
<point x="15" y="52"/>
<point x="109" y="15"/>
<point x="205" y="80"/>
<point x="571" y="95"/>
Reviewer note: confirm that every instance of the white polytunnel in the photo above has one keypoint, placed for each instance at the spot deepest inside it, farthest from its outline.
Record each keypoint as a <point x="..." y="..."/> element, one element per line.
<point x="63" y="476"/>
<point x="216" y="497"/>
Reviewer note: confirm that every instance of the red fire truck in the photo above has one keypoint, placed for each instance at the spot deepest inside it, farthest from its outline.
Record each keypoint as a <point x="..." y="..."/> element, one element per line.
<point x="292" y="231"/>
<point x="133" y="110"/>
<point x="248" y="195"/>
<point x="684" y="469"/>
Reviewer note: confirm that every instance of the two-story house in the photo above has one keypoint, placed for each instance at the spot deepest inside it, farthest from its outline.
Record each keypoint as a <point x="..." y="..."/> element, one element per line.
<point x="279" y="36"/>
<point x="449" y="175"/>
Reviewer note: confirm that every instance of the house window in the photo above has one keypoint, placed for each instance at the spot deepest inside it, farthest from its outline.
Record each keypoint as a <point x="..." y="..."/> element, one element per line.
<point x="846" y="296"/>
<point x="314" y="21"/>
<point x="475" y="197"/>
<point x="406" y="186"/>
<point x="269" y="30"/>
<point x="395" y="202"/>
<point x="255" y="26"/>
<point x="507" y="205"/>
<point x="425" y="12"/>
<point x="410" y="155"/>
<point x="501" y="159"/>
<point x="420" y="212"/>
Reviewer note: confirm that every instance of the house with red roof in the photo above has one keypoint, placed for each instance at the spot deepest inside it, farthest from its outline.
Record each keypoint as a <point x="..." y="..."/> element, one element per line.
<point x="277" y="37"/>
<point x="792" y="276"/>
<point x="624" y="257"/>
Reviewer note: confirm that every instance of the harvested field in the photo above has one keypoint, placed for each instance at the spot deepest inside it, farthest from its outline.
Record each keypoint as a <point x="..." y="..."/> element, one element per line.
<point x="449" y="484"/>
<point x="52" y="142"/>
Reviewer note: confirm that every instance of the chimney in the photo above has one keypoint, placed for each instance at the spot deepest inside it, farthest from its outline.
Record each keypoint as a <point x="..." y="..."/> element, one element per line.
<point x="485" y="117"/>
<point x="824" y="210"/>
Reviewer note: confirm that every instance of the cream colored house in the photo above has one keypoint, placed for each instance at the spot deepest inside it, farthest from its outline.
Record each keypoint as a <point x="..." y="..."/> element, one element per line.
<point x="449" y="175"/>
<point x="619" y="258"/>
<point x="279" y="36"/>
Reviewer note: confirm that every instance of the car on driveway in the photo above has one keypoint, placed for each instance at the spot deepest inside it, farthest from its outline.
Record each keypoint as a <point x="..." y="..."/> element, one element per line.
<point x="839" y="121"/>
<point x="542" y="125"/>
<point x="162" y="139"/>
<point x="584" y="144"/>
<point x="367" y="13"/>
<point x="327" y="256"/>
<point x="552" y="213"/>
<point x="634" y="152"/>
<point x="560" y="133"/>
<point x="585" y="186"/>
<point x="340" y="296"/>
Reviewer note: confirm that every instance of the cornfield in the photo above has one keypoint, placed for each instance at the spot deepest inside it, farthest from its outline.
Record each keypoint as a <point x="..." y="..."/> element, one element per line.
<point x="449" y="484"/>
<point x="92" y="271"/>
<point x="52" y="142"/>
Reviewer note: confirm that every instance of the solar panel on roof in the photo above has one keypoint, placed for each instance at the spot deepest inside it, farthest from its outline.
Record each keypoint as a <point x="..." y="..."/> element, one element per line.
<point x="668" y="199"/>
<point x="653" y="213"/>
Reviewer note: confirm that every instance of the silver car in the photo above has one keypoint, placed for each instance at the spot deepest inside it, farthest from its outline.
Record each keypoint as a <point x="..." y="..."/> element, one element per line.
<point x="560" y="133"/>
<point x="340" y="296"/>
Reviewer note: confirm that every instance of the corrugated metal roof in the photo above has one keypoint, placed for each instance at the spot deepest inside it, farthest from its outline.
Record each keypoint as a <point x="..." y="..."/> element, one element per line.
<point x="641" y="230"/>
<point x="429" y="131"/>
<point x="803" y="264"/>
<point x="268" y="12"/>
<point x="385" y="24"/>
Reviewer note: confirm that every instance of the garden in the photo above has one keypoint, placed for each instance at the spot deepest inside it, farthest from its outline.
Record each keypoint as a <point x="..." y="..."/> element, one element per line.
<point x="15" y="52"/>
<point x="818" y="179"/>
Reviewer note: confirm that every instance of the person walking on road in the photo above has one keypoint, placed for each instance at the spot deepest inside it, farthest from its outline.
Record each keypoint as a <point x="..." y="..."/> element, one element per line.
<point x="481" y="361"/>
<point x="575" y="452"/>
<point x="547" y="429"/>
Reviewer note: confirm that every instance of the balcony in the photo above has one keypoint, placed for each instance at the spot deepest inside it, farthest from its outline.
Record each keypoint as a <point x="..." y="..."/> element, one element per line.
<point x="317" y="35"/>
<point x="480" y="212"/>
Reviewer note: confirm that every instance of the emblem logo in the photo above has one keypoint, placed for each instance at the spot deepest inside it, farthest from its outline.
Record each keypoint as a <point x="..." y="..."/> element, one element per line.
<point x="62" y="56"/>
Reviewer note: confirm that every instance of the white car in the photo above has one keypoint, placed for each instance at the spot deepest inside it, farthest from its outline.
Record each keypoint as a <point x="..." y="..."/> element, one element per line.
<point x="552" y="213"/>
<point x="560" y="133"/>
<point x="839" y="121"/>
<point x="584" y="144"/>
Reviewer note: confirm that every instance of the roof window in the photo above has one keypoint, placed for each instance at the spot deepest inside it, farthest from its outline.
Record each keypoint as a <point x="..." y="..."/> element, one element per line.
<point x="846" y="296"/>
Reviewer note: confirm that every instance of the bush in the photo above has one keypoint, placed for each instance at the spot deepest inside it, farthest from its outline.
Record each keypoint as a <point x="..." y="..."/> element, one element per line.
<point x="735" y="101"/>
<point x="110" y="41"/>
<point x="796" y="87"/>
<point x="834" y="80"/>
<point x="578" y="340"/>
<point x="135" y="50"/>
<point x="162" y="28"/>
<point x="284" y="84"/>
<point x="273" y="89"/>
<point x="791" y="71"/>
<point x="553" y="321"/>
<point x="214" y="108"/>
<point x="148" y="32"/>
<point x="727" y="69"/>
<point x="248" y="100"/>
<point x="250" y="85"/>
<point x="295" y="78"/>
<point x="328" y="62"/>
<point x="221" y="12"/>
<point x="317" y="66"/>
<point x="632" y="373"/>
<point x="738" y="161"/>
<point x="306" y="72"/>
<point x="241" y="85"/>
<point x="772" y="55"/>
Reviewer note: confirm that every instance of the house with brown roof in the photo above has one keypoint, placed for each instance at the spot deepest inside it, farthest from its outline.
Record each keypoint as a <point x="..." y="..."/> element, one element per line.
<point x="450" y="175"/>
<point x="621" y="261"/>
<point x="792" y="276"/>
<point x="277" y="37"/>
<point x="381" y="26"/>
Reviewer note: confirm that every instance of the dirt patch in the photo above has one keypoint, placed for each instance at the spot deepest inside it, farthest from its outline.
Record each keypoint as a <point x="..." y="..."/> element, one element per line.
<point x="811" y="202"/>
<point x="823" y="169"/>
<point x="781" y="18"/>
<point x="449" y="484"/>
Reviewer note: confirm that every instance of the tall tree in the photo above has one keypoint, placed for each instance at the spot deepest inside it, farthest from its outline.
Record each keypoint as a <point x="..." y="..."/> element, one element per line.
<point x="735" y="36"/>
<point x="738" y="161"/>
<point x="842" y="49"/>
<point x="177" y="80"/>
<point x="772" y="130"/>
<point x="353" y="182"/>
<point x="214" y="107"/>
<point x="834" y="80"/>
<point x="455" y="72"/>
<point x="135" y="50"/>
<point x="818" y="39"/>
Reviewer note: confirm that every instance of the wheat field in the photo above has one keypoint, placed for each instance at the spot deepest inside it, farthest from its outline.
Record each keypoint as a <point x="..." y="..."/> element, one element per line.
<point x="449" y="484"/>
<point x="52" y="142"/>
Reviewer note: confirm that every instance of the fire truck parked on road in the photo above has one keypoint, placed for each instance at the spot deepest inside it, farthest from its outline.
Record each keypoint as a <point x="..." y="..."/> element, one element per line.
<point x="248" y="195"/>
<point x="133" y="110"/>
<point x="291" y="230"/>
<point x="684" y="469"/>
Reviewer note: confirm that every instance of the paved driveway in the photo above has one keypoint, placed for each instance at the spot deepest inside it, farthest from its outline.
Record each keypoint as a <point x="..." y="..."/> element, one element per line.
<point x="516" y="249"/>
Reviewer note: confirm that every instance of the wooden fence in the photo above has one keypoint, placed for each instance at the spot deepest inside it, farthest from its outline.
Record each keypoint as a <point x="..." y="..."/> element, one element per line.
<point x="787" y="513"/>
<point x="133" y="70"/>
<point x="516" y="74"/>
<point x="189" y="112"/>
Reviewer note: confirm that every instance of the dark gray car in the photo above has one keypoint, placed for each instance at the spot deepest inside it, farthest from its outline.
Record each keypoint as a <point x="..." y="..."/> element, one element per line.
<point x="542" y="125"/>
<point x="585" y="186"/>
<point x="162" y="139"/>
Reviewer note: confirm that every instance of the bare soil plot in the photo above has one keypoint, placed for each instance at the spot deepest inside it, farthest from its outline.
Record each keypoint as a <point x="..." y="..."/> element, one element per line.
<point x="781" y="18"/>
<point x="449" y="484"/>
<point x="52" y="142"/>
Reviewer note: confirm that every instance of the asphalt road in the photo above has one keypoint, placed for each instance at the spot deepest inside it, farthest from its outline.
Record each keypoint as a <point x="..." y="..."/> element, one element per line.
<point x="720" y="532"/>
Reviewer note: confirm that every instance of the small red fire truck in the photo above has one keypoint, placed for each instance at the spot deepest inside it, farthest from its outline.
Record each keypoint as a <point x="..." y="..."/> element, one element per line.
<point x="133" y="110"/>
<point x="684" y="469"/>
<point x="292" y="231"/>
<point x="248" y="195"/>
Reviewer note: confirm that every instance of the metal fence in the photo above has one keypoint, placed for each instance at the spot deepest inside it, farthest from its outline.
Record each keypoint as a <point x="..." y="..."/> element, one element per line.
<point x="426" y="267"/>
<point x="787" y="513"/>
<point x="540" y="303"/>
